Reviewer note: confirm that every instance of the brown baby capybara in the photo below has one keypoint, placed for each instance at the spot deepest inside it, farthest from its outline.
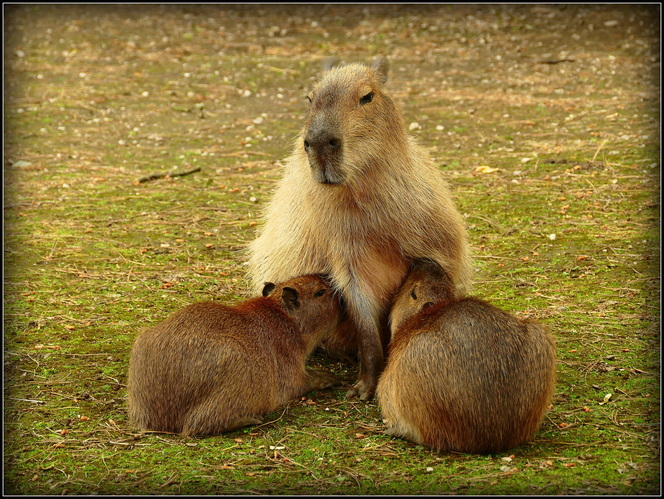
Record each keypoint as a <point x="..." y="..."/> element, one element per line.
<point x="359" y="199"/>
<point x="211" y="368"/>
<point x="462" y="375"/>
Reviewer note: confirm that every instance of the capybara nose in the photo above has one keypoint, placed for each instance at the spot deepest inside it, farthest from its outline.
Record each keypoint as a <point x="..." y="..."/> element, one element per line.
<point x="322" y="143"/>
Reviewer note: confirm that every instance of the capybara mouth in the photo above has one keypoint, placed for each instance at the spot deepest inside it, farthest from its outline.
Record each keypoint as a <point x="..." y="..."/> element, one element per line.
<point x="325" y="171"/>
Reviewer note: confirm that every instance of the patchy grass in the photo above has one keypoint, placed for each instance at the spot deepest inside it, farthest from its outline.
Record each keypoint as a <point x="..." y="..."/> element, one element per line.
<point x="554" y="164"/>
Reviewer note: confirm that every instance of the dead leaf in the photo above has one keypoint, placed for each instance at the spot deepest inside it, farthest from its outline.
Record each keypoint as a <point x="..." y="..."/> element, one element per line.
<point x="485" y="169"/>
<point x="607" y="397"/>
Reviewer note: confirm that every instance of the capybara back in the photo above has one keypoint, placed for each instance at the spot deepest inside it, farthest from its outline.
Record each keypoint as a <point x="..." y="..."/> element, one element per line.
<point x="210" y="368"/>
<point x="463" y="375"/>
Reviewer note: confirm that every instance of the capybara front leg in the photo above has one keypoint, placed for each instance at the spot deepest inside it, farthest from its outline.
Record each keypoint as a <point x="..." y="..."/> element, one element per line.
<point x="371" y="364"/>
<point x="365" y="311"/>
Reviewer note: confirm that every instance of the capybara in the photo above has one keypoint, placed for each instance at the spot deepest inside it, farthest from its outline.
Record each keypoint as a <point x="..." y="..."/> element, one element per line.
<point x="461" y="374"/>
<point x="211" y="368"/>
<point x="358" y="200"/>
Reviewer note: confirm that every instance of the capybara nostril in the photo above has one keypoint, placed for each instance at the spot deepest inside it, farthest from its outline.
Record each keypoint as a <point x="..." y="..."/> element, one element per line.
<point x="321" y="143"/>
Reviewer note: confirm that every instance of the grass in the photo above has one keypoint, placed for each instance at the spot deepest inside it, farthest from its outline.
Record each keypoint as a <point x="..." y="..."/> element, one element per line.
<point x="564" y="227"/>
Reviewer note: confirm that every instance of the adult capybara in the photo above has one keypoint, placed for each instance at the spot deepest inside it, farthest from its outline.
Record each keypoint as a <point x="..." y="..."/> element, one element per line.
<point x="211" y="368"/>
<point x="462" y="375"/>
<point x="359" y="199"/>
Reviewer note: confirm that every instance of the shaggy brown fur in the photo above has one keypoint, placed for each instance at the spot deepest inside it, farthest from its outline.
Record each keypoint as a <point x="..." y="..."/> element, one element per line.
<point x="211" y="368"/>
<point x="462" y="375"/>
<point x="358" y="201"/>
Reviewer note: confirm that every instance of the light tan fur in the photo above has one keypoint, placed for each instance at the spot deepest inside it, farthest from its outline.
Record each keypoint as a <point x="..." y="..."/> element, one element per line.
<point x="359" y="200"/>
<point x="462" y="375"/>
<point x="211" y="368"/>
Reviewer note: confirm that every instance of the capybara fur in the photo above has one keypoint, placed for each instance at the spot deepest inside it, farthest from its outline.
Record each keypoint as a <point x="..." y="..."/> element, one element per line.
<point x="358" y="200"/>
<point x="462" y="375"/>
<point x="211" y="368"/>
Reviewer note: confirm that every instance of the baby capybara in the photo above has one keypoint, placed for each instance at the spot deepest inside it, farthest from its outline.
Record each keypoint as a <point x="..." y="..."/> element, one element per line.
<point x="462" y="375"/>
<point x="211" y="368"/>
<point x="359" y="200"/>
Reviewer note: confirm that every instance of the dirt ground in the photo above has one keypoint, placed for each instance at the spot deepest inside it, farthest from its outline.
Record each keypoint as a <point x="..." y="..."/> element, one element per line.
<point x="545" y="118"/>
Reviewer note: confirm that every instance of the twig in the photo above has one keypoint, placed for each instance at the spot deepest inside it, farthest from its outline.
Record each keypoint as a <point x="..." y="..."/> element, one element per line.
<point x="555" y="61"/>
<point x="270" y="422"/>
<point x="599" y="149"/>
<point x="29" y="400"/>
<point x="170" y="480"/>
<point x="157" y="176"/>
<point x="493" y="223"/>
<point x="281" y="70"/>
<point x="239" y="154"/>
<point x="128" y="444"/>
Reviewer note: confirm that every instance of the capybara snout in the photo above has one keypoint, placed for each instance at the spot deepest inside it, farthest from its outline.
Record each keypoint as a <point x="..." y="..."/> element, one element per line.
<point x="324" y="153"/>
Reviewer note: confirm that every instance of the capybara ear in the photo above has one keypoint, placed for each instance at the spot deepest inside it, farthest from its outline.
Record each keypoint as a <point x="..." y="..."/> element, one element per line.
<point x="289" y="296"/>
<point x="430" y="266"/>
<point x="329" y="63"/>
<point x="268" y="288"/>
<point x="381" y="67"/>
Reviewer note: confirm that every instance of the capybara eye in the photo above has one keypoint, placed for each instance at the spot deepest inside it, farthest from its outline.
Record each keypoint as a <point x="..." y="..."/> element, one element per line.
<point x="309" y="98"/>
<point x="367" y="98"/>
<point x="413" y="294"/>
<point x="319" y="293"/>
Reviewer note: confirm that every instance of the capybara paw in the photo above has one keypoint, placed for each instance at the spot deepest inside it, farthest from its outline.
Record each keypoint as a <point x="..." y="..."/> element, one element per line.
<point x="393" y="431"/>
<point x="361" y="390"/>
<point x="242" y="422"/>
<point x="318" y="380"/>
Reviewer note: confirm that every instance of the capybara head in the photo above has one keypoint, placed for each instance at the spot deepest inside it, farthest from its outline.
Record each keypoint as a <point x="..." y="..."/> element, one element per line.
<point x="310" y="302"/>
<point x="426" y="284"/>
<point x="350" y="119"/>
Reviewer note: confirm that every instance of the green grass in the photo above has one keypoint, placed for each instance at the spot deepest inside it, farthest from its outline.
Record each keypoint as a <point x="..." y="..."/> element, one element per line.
<point x="99" y="99"/>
